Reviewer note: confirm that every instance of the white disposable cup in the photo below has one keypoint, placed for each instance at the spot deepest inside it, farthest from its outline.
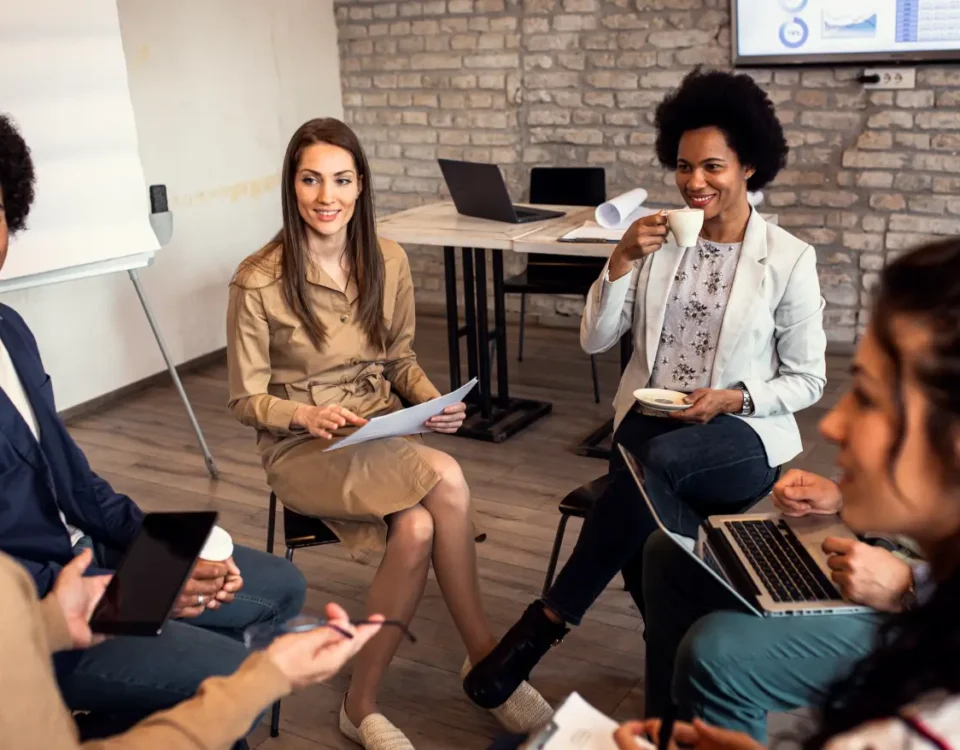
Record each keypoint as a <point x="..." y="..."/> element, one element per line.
<point x="685" y="223"/>
<point x="219" y="546"/>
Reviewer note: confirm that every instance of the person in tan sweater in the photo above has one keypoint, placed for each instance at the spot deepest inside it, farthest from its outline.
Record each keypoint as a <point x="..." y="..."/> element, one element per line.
<point x="52" y="504"/>
<point x="33" y="716"/>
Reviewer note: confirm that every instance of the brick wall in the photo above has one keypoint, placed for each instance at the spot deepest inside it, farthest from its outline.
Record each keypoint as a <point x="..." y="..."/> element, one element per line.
<point x="574" y="82"/>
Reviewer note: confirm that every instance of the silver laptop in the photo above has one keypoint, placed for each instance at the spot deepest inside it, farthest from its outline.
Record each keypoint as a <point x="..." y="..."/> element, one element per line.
<point x="771" y="563"/>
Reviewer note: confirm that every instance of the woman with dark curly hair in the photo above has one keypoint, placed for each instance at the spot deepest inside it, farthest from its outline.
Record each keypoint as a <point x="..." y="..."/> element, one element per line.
<point x="898" y="434"/>
<point x="735" y="322"/>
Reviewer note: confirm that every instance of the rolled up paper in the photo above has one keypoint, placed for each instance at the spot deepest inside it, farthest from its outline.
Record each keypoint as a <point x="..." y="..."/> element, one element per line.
<point x="623" y="210"/>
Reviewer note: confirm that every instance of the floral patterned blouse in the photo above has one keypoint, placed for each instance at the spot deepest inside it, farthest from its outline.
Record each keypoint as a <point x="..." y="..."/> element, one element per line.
<point x="694" y="315"/>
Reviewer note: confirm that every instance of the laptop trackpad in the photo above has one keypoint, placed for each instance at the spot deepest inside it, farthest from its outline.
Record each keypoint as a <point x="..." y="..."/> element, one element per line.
<point x="813" y="529"/>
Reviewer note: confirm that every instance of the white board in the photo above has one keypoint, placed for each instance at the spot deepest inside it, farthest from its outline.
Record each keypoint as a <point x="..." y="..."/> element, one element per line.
<point x="63" y="79"/>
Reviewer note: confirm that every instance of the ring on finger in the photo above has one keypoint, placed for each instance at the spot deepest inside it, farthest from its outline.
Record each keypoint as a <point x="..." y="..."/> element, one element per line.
<point x="200" y="600"/>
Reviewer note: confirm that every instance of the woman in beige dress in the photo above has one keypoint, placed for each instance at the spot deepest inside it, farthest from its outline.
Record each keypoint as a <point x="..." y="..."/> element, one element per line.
<point x="320" y="334"/>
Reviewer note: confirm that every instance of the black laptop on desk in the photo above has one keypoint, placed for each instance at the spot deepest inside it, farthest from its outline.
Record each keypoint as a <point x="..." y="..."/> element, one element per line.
<point x="479" y="190"/>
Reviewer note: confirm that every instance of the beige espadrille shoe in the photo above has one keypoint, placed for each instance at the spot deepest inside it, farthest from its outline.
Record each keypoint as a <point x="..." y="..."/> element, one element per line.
<point x="525" y="710"/>
<point x="376" y="732"/>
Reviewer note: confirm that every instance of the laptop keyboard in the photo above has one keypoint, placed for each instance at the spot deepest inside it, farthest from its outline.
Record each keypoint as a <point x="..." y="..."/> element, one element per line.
<point x="783" y="564"/>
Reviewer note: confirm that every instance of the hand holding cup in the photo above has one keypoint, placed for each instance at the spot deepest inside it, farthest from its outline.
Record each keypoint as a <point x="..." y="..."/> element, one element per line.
<point x="215" y="578"/>
<point x="644" y="237"/>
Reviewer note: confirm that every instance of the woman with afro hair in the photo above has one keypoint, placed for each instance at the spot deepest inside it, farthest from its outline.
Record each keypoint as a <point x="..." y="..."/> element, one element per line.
<point x="735" y="322"/>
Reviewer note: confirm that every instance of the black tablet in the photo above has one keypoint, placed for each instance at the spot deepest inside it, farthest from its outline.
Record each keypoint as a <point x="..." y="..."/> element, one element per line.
<point x="152" y="573"/>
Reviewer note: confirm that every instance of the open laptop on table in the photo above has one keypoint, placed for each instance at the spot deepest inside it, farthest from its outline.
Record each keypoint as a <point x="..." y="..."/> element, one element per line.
<point x="479" y="190"/>
<point x="773" y="564"/>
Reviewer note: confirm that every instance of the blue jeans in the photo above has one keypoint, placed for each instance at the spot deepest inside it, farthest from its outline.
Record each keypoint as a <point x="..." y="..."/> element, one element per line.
<point x="691" y="472"/>
<point x="129" y="678"/>
<point x="708" y="657"/>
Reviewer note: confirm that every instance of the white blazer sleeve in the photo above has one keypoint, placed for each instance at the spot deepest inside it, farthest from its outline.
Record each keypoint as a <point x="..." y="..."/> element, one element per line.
<point x="608" y="313"/>
<point x="801" y="346"/>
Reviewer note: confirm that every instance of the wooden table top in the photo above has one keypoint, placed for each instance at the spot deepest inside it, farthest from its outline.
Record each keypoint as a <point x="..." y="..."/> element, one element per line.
<point x="439" y="224"/>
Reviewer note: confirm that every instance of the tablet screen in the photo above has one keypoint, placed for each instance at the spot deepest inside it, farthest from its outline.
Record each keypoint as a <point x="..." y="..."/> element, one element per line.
<point x="152" y="573"/>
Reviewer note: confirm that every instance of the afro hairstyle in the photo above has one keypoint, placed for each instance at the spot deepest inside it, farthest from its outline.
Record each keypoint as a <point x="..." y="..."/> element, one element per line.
<point x="17" y="177"/>
<point x="734" y="104"/>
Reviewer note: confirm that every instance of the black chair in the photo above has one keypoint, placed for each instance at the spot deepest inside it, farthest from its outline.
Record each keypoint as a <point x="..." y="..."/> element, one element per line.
<point x="560" y="274"/>
<point x="298" y="531"/>
<point x="579" y="502"/>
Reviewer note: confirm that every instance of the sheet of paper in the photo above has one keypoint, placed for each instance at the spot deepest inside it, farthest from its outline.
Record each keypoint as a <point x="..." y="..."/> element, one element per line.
<point x="579" y="726"/>
<point x="590" y="231"/>
<point x="406" y="421"/>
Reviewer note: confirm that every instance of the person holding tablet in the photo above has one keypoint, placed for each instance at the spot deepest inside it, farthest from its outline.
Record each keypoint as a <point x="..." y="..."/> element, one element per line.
<point x="33" y="715"/>
<point x="53" y="505"/>
<point x="734" y="321"/>
<point x="320" y="331"/>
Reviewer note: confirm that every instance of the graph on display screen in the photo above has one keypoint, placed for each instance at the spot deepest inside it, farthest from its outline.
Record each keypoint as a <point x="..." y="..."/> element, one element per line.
<point x="818" y="31"/>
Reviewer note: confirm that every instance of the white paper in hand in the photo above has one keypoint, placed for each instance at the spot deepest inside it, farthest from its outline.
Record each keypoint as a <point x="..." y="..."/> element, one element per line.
<point x="406" y="421"/>
<point x="579" y="726"/>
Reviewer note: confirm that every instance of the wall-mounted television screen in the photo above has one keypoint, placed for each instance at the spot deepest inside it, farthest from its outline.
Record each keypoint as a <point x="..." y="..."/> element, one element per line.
<point x="799" y="32"/>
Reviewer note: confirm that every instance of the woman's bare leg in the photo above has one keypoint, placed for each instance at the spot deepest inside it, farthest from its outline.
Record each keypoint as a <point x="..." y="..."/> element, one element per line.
<point x="454" y="553"/>
<point x="395" y="593"/>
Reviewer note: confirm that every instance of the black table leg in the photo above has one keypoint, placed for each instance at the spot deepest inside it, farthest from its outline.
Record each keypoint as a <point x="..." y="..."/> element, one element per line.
<point x="498" y="417"/>
<point x="482" y="332"/>
<point x="500" y="329"/>
<point x="470" y="312"/>
<point x="453" y="321"/>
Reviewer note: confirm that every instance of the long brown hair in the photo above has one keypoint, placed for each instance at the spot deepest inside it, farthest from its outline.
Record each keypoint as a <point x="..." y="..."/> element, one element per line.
<point x="918" y="651"/>
<point x="366" y="259"/>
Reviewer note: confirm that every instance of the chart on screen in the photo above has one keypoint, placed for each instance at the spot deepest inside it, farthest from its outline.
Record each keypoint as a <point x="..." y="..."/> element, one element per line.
<point x="800" y="28"/>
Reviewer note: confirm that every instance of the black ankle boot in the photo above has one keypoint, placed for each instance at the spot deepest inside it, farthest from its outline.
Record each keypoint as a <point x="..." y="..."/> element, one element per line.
<point x="492" y="681"/>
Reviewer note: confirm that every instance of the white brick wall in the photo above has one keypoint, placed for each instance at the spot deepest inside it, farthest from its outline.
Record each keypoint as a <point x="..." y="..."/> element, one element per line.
<point x="573" y="82"/>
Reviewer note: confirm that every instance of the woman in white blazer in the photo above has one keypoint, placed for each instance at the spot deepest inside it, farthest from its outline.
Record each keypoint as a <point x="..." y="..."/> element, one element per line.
<point x="735" y="322"/>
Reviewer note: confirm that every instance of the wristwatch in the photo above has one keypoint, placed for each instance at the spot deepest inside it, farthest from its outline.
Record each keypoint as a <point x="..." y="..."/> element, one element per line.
<point x="747" y="409"/>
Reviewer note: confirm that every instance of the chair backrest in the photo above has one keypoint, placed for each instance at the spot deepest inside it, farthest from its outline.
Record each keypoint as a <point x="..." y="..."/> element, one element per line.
<point x="568" y="186"/>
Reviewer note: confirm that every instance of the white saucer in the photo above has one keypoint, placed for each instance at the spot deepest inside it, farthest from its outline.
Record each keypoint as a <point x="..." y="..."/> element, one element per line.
<point x="659" y="399"/>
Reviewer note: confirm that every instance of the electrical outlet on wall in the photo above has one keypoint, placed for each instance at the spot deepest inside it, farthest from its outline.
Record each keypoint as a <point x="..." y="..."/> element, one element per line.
<point x="889" y="78"/>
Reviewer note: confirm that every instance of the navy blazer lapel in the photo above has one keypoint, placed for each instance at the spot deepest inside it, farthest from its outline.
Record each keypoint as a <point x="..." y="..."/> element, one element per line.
<point x="743" y="294"/>
<point x="12" y="424"/>
<point x="663" y="267"/>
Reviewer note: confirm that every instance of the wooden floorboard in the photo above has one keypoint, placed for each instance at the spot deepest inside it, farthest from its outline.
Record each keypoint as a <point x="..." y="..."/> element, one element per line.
<point x="145" y="447"/>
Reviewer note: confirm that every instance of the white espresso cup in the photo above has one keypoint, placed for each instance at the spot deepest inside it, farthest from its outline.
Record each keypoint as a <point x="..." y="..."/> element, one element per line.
<point x="219" y="546"/>
<point x="685" y="224"/>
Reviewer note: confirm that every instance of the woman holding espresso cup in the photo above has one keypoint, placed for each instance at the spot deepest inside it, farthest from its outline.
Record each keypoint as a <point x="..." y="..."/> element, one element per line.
<point x="733" y="322"/>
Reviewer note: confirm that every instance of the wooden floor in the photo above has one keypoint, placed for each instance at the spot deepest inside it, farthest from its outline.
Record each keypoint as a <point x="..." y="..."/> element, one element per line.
<point x="145" y="447"/>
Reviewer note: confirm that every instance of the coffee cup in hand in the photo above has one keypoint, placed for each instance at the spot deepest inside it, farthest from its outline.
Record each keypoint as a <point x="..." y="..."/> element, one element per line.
<point x="685" y="224"/>
<point x="219" y="546"/>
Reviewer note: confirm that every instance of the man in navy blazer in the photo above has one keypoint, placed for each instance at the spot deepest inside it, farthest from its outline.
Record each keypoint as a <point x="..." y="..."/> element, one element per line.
<point x="52" y="505"/>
